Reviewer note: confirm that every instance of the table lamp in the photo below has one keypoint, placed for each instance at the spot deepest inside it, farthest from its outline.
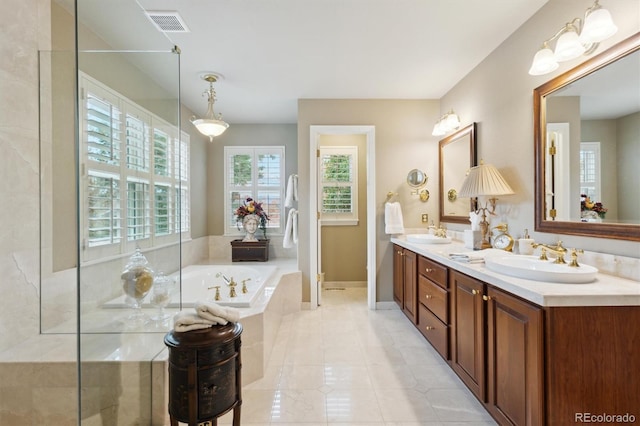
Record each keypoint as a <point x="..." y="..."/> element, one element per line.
<point x="484" y="181"/>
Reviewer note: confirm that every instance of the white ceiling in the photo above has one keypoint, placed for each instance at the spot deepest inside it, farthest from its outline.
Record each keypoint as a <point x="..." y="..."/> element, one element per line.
<point x="273" y="52"/>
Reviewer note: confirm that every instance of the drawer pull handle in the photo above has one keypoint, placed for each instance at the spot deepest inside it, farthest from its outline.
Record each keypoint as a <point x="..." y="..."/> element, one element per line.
<point x="429" y="328"/>
<point x="487" y="297"/>
<point x="474" y="292"/>
<point x="400" y="253"/>
<point x="428" y="296"/>
<point x="429" y="270"/>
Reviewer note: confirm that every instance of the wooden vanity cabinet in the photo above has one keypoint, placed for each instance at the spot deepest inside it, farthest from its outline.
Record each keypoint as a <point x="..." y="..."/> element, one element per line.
<point x="433" y="304"/>
<point x="527" y="364"/>
<point x="514" y="359"/>
<point x="405" y="281"/>
<point x="497" y="350"/>
<point x="468" y="331"/>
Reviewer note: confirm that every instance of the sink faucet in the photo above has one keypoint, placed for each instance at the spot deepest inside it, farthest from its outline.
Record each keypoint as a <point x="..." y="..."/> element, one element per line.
<point x="558" y="250"/>
<point x="441" y="232"/>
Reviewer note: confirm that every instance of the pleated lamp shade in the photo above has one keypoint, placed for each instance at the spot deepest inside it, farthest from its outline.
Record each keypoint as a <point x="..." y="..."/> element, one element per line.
<point x="484" y="180"/>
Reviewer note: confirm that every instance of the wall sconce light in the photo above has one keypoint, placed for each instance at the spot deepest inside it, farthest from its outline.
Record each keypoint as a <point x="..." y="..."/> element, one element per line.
<point x="448" y="122"/>
<point x="485" y="180"/>
<point x="211" y="125"/>
<point x="578" y="37"/>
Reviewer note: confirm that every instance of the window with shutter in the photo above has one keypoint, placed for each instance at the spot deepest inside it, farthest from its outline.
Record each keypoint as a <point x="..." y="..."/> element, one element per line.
<point x="258" y="173"/>
<point x="339" y="185"/>
<point x="135" y="175"/>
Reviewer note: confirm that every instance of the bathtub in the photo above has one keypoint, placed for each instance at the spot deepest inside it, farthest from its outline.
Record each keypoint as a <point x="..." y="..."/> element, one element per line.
<point x="198" y="282"/>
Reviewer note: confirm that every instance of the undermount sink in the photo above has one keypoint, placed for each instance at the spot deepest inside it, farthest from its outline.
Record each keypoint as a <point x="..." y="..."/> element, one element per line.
<point x="427" y="239"/>
<point x="532" y="268"/>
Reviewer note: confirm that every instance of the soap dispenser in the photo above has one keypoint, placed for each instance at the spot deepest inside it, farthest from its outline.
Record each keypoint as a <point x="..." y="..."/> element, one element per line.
<point x="525" y="244"/>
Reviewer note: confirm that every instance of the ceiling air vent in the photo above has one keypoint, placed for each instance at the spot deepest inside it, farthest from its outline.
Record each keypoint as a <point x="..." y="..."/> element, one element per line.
<point x="167" y="21"/>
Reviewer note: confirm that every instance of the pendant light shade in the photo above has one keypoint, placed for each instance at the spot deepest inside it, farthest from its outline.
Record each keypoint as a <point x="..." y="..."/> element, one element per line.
<point x="211" y="125"/>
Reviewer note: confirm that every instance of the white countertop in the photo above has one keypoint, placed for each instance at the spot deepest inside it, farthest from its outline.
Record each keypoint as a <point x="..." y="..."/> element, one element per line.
<point x="606" y="290"/>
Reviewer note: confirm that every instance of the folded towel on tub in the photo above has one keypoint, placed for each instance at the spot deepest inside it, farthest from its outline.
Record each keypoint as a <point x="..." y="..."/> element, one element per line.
<point x="188" y="321"/>
<point x="214" y="312"/>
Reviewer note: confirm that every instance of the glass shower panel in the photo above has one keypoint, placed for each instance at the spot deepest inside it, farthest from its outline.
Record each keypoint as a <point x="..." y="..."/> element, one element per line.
<point x="129" y="225"/>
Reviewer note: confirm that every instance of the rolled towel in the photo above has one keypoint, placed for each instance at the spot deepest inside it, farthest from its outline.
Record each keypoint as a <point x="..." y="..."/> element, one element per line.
<point x="187" y="321"/>
<point x="214" y="312"/>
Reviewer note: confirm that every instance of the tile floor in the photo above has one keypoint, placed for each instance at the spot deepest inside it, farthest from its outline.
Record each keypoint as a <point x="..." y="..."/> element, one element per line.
<point x="343" y="364"/>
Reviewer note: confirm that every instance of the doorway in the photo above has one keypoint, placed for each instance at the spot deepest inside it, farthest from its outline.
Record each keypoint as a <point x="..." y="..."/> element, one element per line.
<point x="316" y="132"/>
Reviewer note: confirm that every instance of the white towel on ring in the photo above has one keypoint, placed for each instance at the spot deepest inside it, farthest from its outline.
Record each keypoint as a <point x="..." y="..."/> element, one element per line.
<point x="188" y="321"/>
<point x="291" y="230"/>
<point x="292" y="191"/>
<point x="213" y="312"/>
<point x="394" y="223"/>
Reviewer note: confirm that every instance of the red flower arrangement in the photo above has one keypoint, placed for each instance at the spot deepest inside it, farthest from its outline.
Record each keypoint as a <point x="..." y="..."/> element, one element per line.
<point x="250" y="206"/>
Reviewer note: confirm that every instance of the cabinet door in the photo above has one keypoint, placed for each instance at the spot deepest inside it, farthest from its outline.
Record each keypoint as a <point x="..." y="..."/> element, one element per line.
<point x="468" y="332"/>
<point x="410" y="285"/>
<point x="398" y="275"/>
<point x="514" y="360"/>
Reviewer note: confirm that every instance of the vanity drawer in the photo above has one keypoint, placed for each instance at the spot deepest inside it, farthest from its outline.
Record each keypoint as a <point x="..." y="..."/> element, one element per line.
<point x="434" y="271"/>
<point x="436" y="332"/>
<point x="434" y="297"/>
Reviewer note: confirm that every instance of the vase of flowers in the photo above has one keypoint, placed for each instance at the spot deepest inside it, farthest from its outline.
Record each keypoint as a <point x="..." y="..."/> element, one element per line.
<point x="591" y="209"/>
<point x="251" y="216"/>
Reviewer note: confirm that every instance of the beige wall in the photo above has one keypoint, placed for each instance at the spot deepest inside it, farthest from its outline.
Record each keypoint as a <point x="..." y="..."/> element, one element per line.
<point x="344" y="248"/>
<point x="403" y="142"/>
<point x="628" y="153"/>
<point x="498" y="95"/>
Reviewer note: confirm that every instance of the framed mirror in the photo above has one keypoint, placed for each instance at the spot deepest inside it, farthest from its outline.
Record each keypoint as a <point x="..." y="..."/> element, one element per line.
<point x="416" y="178"/>
<point x="457" y="155"/>
<point x="587" y="147"/>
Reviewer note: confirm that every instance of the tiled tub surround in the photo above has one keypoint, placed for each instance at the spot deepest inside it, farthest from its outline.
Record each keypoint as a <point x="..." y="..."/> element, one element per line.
<point x="124" y="374"/>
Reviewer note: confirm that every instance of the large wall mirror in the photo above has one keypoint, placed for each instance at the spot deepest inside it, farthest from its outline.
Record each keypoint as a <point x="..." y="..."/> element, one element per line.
<point x="457" y="156"/>
<point x="587" y="142"/>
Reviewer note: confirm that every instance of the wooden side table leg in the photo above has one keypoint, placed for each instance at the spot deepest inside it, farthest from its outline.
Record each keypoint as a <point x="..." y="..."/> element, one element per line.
<point x="174" y="422"/>
<point x="236" y="415"/>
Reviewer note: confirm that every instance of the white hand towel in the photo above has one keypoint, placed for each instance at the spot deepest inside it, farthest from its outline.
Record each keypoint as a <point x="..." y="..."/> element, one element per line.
<point x="214" y="312"/>
<point x="292" y="191"/>
<point x="188" y="321"/>
<point x="394" y="223"/>
<point x="291" y="230"/>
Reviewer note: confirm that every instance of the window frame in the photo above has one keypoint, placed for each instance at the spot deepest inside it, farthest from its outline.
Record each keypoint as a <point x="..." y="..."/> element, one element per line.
<point x="274" y="226"/>
<point x="175" y="178"/>
<point x="339" y="219"/>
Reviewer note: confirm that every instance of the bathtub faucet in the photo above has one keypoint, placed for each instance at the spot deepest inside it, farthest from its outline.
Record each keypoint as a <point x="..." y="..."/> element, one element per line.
<point x="244" y="285"/>
<point x="232" y="288"/>
<point x="226" y="280"/>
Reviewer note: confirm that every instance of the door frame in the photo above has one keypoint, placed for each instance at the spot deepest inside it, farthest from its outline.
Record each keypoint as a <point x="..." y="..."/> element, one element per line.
<point x="314" y="144"/>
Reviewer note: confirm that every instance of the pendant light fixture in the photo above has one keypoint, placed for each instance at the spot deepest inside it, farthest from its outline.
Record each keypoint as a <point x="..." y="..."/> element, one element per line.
<point x="211" y="125"/>
<point x="578" y="37"/>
